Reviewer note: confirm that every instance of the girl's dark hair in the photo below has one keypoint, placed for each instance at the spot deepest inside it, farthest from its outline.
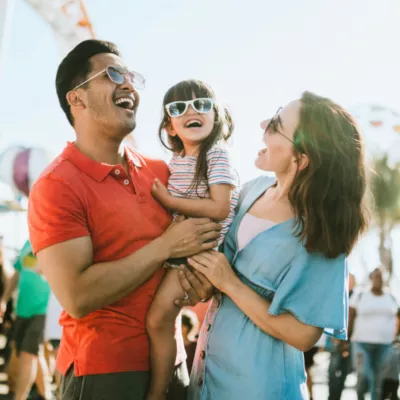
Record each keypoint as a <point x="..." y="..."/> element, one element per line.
<point x="76" y="66"/>
<point x="328" y="196"/>
<point x="222" y="130"/>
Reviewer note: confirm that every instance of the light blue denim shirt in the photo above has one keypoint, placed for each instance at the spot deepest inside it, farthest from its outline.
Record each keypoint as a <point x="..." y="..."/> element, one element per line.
<point x="236" y="360"/>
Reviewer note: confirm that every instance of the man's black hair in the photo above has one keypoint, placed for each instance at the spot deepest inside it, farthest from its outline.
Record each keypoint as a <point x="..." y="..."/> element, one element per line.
<point x="75" y="67"/>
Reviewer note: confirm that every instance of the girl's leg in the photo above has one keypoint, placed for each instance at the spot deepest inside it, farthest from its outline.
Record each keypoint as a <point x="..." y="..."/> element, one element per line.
<point x="161" y="329"/>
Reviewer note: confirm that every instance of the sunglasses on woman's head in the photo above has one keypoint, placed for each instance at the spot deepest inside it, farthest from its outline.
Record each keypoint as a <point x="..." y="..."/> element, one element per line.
<point x="178" y="108"/>
<point x="118" y="75"/>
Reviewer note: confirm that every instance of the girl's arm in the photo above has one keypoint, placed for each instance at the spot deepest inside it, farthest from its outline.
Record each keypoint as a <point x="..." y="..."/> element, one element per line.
<point x="284" y="327"/>
<point x="217" y="207"/>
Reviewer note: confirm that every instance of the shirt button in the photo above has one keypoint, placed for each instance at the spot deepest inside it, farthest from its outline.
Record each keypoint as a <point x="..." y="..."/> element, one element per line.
<point x="201" y="382"/>
<point x="117" y="172"/>
<point x="202" y="354"/>
<point x="126" y="182"/>
<point x="209" y="327"/>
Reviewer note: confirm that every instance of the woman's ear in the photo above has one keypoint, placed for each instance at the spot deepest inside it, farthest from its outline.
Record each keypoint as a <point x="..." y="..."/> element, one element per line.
<point x="302" y="162"/>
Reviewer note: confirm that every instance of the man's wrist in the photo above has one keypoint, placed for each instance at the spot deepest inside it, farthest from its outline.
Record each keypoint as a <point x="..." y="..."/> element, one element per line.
<point x="162" y="248"/>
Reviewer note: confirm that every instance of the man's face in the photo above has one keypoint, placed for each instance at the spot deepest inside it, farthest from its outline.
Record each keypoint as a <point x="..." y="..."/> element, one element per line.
<point x="101" y="95"/>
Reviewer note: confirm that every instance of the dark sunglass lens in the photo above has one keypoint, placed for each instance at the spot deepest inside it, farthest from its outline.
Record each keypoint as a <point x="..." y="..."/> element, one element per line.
<point x="177" y="109"/>
<point x="115" y="75"/>
<point x="202" y="105"/>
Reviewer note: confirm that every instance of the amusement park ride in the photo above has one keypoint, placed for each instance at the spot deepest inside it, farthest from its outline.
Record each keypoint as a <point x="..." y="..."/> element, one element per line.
<point x="20" y="166"/>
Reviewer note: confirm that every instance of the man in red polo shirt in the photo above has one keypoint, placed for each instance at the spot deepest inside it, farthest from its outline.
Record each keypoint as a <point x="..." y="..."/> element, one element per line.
<point x="100" y="237"/>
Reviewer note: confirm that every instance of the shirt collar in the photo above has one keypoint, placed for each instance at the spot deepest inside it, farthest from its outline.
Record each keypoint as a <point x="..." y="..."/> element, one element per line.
<point x="95" y="169"/>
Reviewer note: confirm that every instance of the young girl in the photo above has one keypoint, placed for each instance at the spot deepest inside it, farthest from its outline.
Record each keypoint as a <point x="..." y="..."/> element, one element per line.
<point x="202" y="184"/>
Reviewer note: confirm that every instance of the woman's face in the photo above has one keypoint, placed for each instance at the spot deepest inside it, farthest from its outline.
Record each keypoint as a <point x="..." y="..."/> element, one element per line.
<point x="278" y="154"/>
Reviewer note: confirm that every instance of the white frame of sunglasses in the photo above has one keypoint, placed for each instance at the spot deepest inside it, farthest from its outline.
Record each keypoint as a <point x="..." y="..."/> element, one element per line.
<point x="116" y="67"/>
<point x="187" y="104"/>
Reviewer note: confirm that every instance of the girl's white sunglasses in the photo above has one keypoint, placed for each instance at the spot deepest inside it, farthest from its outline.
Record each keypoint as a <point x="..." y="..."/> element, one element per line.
<point x="178" y="108"/>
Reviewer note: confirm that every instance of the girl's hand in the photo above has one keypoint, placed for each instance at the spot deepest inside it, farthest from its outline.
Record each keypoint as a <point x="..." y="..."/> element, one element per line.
<point x="215" y="267"/>
<point x="161" y="194"/>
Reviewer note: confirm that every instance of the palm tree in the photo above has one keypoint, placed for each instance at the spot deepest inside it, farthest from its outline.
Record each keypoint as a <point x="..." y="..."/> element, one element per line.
<point x="385" y="189"/>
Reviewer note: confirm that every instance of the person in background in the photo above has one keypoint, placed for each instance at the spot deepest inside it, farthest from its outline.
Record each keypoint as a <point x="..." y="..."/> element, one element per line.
<point x="190" y="331"/>
<point x="340" y="364"/>
<point x="31" y="308"/>
<point x="53" y="333"/>
<point x="6" y="308"/>
<point x="373" y="321"/>
<point x="308" y="363"/>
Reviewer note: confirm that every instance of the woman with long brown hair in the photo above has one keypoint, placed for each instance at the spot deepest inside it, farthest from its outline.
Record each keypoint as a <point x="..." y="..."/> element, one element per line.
<point x="283" y="275"/>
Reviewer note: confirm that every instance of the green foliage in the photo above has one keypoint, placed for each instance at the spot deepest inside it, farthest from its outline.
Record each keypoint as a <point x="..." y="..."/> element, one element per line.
<point x="385" y="187"/>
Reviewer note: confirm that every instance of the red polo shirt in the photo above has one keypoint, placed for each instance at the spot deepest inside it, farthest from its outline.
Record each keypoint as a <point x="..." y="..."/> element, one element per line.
<point x="77" y="196"/>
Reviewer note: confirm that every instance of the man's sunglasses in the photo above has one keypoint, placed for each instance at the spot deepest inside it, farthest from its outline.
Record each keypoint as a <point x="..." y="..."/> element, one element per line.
<point x="118" y="75"/>
<point x="178" y="108"/>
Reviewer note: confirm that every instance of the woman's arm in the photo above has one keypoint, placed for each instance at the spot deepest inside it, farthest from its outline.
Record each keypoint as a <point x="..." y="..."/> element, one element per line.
<point x="352" y="317"/>
<point x="284" y="327"/>
<point x="217" y="207"/>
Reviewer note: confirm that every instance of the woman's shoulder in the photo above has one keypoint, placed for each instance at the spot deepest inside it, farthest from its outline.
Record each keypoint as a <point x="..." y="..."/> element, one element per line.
<point x="261" y="182"/>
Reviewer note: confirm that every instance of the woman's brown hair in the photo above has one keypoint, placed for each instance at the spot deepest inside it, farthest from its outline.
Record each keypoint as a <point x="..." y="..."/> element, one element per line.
<point x="328" y="196"/>
<point x="222" y="130"/>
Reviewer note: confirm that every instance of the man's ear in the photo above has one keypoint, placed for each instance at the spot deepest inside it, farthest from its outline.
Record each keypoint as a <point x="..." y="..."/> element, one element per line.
<point x="74" y="99"/>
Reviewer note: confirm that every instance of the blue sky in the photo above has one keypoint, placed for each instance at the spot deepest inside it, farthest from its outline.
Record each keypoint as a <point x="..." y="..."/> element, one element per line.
<point x="257" y="54"/>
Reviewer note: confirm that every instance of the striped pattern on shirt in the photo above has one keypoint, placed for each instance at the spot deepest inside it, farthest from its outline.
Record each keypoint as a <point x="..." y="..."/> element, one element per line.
<point x="219" y="171"/>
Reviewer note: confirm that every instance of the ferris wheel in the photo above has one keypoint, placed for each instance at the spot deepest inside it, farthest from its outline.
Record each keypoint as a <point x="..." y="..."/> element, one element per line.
<point x="20" y="166"/>
<point x="68" y="19"/>
<point x="380" y="126"/>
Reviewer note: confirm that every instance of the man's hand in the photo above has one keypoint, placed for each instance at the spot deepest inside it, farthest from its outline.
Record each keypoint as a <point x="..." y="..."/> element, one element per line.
<point x="190" y="237"/>
<point x="195" y="285"/>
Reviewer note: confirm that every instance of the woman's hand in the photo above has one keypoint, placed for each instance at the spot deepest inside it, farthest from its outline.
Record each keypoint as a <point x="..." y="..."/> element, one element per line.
<point x="215" y="267"/>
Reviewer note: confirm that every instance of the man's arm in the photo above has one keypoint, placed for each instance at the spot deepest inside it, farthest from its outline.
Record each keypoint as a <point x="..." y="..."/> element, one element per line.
<point x="83" y="287"/>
